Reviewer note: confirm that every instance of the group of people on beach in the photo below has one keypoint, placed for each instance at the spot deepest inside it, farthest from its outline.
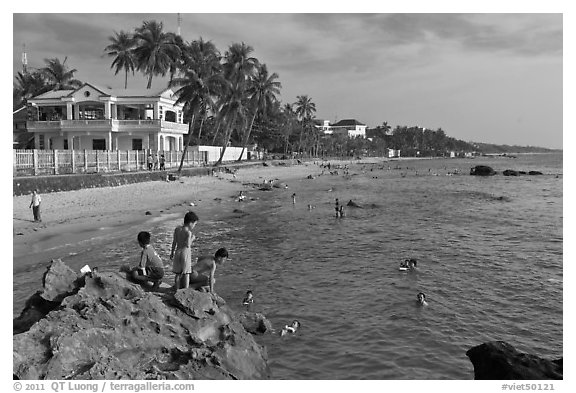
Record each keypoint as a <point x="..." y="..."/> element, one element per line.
<point x="152" y="162"/>
<point x="186" y="275"/>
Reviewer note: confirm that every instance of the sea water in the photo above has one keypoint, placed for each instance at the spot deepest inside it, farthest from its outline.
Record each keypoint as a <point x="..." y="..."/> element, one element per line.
<point x="489" y="253"/>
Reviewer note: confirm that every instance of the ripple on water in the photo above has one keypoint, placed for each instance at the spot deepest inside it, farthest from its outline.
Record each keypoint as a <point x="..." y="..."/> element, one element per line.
<point x="491" y="270"/>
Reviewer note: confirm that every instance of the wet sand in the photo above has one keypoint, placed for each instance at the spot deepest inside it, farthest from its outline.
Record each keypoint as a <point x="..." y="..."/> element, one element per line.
<point x="71" y="216"/>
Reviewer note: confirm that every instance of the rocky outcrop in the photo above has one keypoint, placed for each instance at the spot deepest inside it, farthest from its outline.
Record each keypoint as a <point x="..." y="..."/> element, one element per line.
<point x="533" y="173"/>
<point x="500" y="360"/>
<point x="104" y="327"/>
<point x="482" y="170"/>
<point x="255" y="322"/>
<point x="510" y="172"/>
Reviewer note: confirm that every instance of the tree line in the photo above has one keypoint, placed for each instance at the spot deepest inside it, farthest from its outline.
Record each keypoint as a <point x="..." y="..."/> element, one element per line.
<point x="230" y="98"/>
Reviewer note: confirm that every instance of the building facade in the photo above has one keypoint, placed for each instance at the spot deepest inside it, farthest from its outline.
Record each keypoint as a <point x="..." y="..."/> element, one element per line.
<point x="351" y="128"/>
<point x="96" y="118"/>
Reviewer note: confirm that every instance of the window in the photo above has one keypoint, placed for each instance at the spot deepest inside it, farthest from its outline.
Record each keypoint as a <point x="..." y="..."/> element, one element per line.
<point x="136" y="144"/>
<point x="98" y="144"/>
<point x="171" y="116"/>
<point x="41" y="142"/>
<point x="65" y="144"/>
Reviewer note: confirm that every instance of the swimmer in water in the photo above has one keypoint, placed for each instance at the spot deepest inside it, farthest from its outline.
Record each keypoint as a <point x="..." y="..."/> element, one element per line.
<point x="409" y="264"/>
<point x="249" y="299"/>
<point x="341" y="211"/>
<point x="422" y="299"/>
<point x="241" y="196"/>
<point x="337" y="208"/>
<point x="294" y="198"/>
<point x="290" y="328"/>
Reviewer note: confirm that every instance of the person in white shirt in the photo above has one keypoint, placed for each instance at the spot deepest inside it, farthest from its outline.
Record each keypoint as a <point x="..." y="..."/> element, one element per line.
<point x="35" y="205"/>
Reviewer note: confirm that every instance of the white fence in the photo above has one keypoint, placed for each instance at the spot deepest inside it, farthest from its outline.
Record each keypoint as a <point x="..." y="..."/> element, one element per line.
<point x="44" y="162"/>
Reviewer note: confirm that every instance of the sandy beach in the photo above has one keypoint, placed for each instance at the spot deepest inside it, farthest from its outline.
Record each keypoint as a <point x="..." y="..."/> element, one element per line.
<point x="71" y="216"/>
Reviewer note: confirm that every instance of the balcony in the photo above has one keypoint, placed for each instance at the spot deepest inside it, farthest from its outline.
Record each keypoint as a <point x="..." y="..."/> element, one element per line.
<point x="107" y="125"/>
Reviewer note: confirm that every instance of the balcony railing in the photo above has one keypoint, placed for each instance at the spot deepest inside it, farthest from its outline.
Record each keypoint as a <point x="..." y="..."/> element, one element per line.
<point x="113" y="125"/>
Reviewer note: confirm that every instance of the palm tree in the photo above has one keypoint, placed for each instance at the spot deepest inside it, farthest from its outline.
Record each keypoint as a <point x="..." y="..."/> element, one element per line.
<point x="239" y="67"/>
<point x="155" y="50"/>
<point x="202" y="80"/>
<point x="122" y="49"/>
<point x="58" y="76"/>
<point x="305" y="110"/>
<point x="178" y="61"/>
<point x="262" y="91"/>
<point x="28" y="85"/>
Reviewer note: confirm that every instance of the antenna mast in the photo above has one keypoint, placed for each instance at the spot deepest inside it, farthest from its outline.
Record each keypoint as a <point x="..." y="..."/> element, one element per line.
<point x="24" y="59"/>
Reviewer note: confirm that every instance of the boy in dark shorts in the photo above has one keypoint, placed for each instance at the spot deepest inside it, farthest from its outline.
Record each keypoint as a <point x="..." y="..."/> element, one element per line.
<point x="150" y="267"/>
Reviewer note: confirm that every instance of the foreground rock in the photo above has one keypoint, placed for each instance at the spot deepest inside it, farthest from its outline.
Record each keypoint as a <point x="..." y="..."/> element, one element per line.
<point x="105" y="327"/>
<point x="500" y="360"/>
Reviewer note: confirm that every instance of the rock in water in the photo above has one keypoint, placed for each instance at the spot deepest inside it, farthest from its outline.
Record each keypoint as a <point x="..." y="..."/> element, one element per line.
<point x="351" y="203"/>
<point x="482" y="170"/>
<point x="109" y="328"/>
<point x="58" y="282"/>
<point x="535" y="173"/>
<point x="500" y="360"/>
<point x="510" y="172"/>
<point x="255" y="322"/>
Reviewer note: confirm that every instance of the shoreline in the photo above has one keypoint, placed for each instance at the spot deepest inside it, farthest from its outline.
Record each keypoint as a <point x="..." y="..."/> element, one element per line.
<point x="72" y="216"/>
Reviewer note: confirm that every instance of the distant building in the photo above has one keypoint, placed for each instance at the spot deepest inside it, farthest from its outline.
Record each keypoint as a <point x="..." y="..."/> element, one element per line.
<point x="97" y="118"/>
<point x="323" y="125"/>
<point x="349" y="127"/>
<point x="392" y="153"/>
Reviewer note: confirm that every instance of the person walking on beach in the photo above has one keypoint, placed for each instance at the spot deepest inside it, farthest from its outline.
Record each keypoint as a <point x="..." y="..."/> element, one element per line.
<point x="205" y="270"/>
<point x="294" y="198"/>
<point x="149" y="161"/>
<point x="181" y="253"/>
<point x="35" y="205"/>
<point x="155" y="162"/>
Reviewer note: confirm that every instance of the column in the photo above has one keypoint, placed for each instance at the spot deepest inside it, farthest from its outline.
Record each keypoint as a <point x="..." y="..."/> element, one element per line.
<point x="76" y="111"/>
<point x="70" y="142"/>
<point x="69" y="111"/>
<point x="115" y="111"/>
<point x="109" y="141"/>
<point x="156" y="114"/>
<point x="107" y="109"/>
<point x="116" y="147"/>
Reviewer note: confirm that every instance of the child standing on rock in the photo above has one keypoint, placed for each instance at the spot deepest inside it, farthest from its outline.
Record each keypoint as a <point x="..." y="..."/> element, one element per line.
<point x="181" y="253"/>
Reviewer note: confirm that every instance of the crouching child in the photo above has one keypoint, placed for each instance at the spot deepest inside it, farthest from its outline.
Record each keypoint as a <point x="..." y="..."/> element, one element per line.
<point x="150" y="268"/>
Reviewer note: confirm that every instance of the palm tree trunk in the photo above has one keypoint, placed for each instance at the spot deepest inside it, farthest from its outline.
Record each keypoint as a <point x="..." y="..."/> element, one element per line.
<point x="201" y="125"/>
<point x="247" y="136"/>
<point x="149" y="81"/>
<point x="126" y="80"/>
<point x="219" y="124"/>
<point x="190" y="128"/>
<point x="226" y="139"/>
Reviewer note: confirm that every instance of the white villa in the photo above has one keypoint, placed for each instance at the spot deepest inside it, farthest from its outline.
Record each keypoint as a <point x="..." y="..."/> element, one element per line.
<point x="96" y="118"/>
<point x="348" y="127"/>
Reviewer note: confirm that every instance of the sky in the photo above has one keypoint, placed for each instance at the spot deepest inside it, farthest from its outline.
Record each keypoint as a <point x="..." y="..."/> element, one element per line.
<point x="494" y="78"/>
